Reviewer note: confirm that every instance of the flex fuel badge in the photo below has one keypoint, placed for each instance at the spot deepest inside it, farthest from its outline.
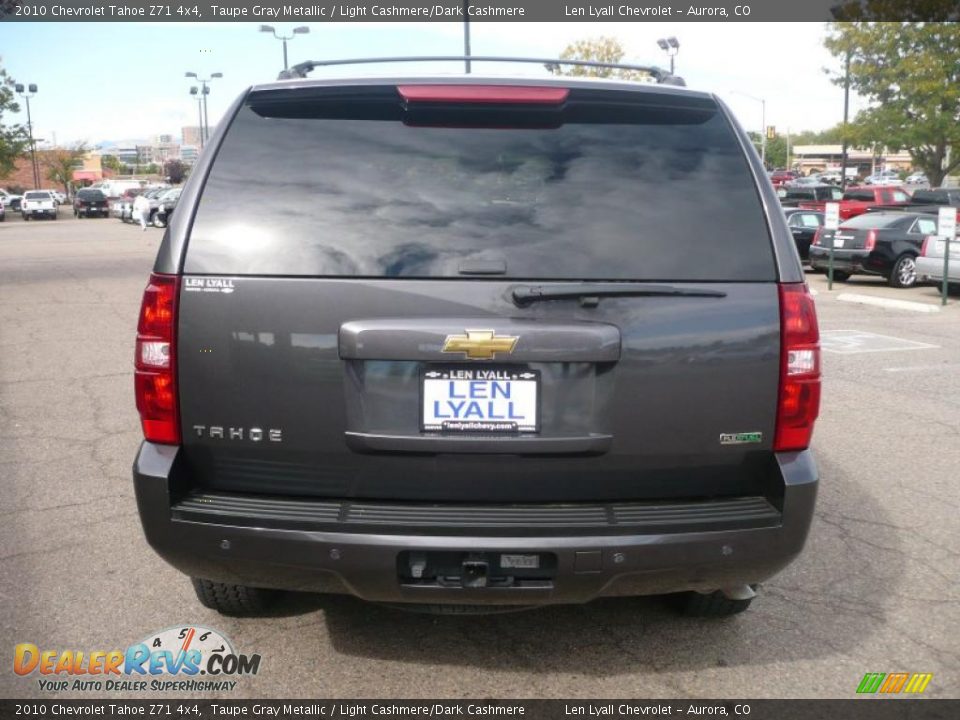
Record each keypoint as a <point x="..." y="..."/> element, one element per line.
<point x="189" y="658"/>
<point x="746" y="438"/>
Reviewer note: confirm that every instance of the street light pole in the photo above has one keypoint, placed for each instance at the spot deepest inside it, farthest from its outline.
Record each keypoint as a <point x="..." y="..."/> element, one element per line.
<point x="26" y="94"/>
<point x="671" y="46"/>
<point x="763" y="122"/>
<point x="302" y="30"/>
<point x="206" y="115"/>
<point x="846" y="114"/>
<point x="204" y="91"/>
<point x="195" y="91"/>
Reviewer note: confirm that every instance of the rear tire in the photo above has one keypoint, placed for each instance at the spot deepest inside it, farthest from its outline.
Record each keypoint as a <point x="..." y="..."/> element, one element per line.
<point x="711" y="605"/>
<point x="228" y="599"/>
<point x="839" y="276"/>
<point x="159" y="221"/>
<point x="904" y="273"/>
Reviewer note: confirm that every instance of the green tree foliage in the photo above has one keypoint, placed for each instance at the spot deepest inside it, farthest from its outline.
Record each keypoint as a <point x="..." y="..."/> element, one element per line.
<point x="62" y="162"/>
<point x="777" y="151"/>
<point x="13" y="138"/>
<point x="110" y="162"/>
<point x="598" y="49"/>
<point x="911" y="74"/>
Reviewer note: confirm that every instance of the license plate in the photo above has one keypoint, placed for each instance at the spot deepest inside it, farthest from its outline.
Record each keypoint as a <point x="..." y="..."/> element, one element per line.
<point x="471" y="400"/>
<point x="517" y="562"/>
<point x="838" y="242"/>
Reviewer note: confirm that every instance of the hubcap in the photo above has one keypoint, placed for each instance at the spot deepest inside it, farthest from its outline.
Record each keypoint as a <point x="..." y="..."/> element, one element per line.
<point x="908" y="271"/>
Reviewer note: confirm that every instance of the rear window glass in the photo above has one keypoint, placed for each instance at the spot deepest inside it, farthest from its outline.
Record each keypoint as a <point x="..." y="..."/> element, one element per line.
<point x="37" y="196"/>
<point x="810" y="220"/>
<point x="863" y="195"/>
<point x="636" y="191"/>
<point x="90" y="195"/>
<point x="938" y="197"/>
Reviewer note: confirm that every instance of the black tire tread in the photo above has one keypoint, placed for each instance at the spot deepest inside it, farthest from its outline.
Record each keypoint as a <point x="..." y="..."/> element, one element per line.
<point x="894" y="279"/>
<point x="235" y="600"/>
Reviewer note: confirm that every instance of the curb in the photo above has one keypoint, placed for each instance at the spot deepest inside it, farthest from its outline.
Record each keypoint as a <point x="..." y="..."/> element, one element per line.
<point x="888" y="303"/>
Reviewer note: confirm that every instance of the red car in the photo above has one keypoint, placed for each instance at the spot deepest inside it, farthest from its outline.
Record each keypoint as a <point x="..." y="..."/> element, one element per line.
<point x="856" y="200"/>
<point x="779" y="177"/>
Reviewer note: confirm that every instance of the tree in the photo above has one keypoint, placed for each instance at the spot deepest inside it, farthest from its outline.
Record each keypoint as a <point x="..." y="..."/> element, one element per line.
<point x="110" y="162"/>
<point x="62" y="162"/>
<point x="13" y="138"/>
<point x="911" y="74"/>
<point x="598" y="49"/>
<point x="777" y="151"/>
<point x="175" y="171"/>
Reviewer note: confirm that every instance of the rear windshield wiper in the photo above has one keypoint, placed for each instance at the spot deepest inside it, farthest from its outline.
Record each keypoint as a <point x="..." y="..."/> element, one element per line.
<point x="590" y="293"/>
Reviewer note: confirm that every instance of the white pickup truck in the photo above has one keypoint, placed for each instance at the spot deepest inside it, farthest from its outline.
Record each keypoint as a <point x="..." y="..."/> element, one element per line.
<point x="9" y="200"/>
<point x="38" y="203"/>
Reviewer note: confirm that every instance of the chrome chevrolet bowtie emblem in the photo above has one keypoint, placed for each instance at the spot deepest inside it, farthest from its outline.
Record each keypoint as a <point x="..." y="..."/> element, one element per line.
<point x="479" y="344"/>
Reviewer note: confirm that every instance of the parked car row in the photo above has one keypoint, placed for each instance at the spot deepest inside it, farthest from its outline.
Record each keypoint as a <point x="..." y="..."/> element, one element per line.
<point x="93" y="202"/>
<point x="884" y="231"/>
<point x="162" y="199"/>
<point x="885" y="243"/>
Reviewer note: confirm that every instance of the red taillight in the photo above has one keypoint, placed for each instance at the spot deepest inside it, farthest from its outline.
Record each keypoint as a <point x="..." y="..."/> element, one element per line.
<point x="799" y="402"/>
<point x="926" y="244"/>
<point x="155" y="375"/>
<point x="502" y="94"/>
<point x="817" y="234"/>
<point x="871" y="240"/>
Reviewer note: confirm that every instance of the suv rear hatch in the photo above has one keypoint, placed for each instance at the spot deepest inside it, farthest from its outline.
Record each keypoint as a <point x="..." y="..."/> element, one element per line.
<point x="479" y="293"/>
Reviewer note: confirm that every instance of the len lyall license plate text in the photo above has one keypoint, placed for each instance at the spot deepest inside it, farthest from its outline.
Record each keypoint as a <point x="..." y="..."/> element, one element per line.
<point x="480" y="400"/>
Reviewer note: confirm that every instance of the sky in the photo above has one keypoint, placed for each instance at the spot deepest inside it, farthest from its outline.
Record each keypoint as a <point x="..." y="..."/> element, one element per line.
<point x="123" y="81"/>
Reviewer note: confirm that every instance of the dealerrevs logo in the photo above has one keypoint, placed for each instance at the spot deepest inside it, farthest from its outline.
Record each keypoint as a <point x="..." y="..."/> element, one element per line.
<point x="187" y="658"/>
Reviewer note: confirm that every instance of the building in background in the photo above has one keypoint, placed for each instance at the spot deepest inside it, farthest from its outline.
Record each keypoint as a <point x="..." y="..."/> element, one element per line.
<point x="90" y="168"/>
<point x="127" y="154"/>
<point x="189" y="154"/>
<point x="191" y="135"/>
<point x="820" y="158"/>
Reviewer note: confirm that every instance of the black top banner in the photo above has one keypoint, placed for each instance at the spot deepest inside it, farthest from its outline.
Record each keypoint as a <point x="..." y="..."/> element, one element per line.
<point x="476" y="11"/>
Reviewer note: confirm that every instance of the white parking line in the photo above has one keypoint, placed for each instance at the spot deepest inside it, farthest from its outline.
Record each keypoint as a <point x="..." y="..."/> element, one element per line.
<point x="854" y="342"/>
<point x="888" y="303"/>
<point x="922" y="368"/>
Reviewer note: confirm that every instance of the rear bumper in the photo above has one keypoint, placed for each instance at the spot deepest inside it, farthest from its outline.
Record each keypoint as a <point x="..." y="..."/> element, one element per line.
<point x="932" y="268"/>
<point x="843" y="260"/>
<point x="279" y="550"/>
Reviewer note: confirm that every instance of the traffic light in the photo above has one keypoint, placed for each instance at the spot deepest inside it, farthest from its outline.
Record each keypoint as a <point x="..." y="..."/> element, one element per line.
<point x="771" y="132"/>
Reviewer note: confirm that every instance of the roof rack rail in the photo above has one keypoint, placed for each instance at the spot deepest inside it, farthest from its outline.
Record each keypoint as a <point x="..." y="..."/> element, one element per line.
<point x="662" y="76"/>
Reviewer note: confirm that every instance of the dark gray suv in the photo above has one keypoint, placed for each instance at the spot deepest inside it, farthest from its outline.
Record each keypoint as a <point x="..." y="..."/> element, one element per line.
<point x="465" y="343"/>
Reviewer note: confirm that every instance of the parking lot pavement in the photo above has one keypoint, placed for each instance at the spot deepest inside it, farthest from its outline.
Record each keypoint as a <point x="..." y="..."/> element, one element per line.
<point x="858" y="287"/>
<point x="876" y="589"/>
